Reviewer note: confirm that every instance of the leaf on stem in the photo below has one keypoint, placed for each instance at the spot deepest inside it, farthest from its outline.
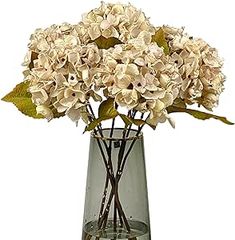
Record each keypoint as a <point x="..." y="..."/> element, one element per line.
<point x="125" y="119"/>
<point x="56" y="114"/>
<point x="93" y="124"/>
<point x="161" y="41"/>
<point x="198" y="114"/>
<point x="106" y="43"/>
<point x="128" y="121"/>
<point x="21" y="98"/>
<point x="106" y="111"/>
<point x="138" y="122"/>
<point x="179" y="103"/>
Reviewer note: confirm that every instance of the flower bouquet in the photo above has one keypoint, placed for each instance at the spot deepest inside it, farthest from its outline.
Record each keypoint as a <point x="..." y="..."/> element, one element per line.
<point x="115" y="65"/>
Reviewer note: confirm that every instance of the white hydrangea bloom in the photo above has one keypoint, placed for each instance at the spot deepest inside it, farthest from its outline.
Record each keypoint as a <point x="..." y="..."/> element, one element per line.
<point x="60" y="70"/>
<point x="140" y="77"/>
<point x="120" y="21"/>
<point x="66" y="68"/>
<point x="199" y="66"/>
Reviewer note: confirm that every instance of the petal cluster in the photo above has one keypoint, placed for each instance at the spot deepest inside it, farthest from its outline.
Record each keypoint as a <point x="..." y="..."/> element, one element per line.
<point x="67" y="68"/>
<point x="120" y="21"/>
<point x="138" y="75"/>
<point x="59" y="68"/>
<point x="200" y="68"/>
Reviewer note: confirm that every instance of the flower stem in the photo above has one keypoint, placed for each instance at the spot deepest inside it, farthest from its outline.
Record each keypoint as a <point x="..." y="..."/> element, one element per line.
<point x="110" y="177"/>
<point x="114" y="191"/>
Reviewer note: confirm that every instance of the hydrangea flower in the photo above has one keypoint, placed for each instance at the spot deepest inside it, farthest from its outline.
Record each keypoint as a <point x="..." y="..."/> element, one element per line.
<point x="200" y="68"/>
<point x="59" y="69"/>
<point x="141" y="77"/>
<point x="116" y="55"/>
<point x="119" y="21"/>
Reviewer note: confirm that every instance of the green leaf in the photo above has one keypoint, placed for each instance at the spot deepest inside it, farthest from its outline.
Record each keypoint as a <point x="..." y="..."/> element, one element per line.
<point x="152" y="126"/>
<point x="128" y="121"/>
<point x="138" y="122"/>
<point x="93" y="124"/>
<point x="160" y="39"/>
<point x="198" y="114"/>
<point x="107" y="109"/>
<point x="56" y="114"/>
<point x="125" y="119"/>
<point x="21" y="98"/>
<point x="151" y="123"/>
<point x="106" y="43"/>
<point x="179" y="103"/>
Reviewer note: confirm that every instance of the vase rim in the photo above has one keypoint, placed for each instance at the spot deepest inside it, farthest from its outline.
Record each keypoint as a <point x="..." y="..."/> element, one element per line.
<point x="134" y="134"/>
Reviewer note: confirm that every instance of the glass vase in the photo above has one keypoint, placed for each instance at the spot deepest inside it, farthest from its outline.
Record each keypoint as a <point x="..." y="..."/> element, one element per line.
<point x="116" y="203"/>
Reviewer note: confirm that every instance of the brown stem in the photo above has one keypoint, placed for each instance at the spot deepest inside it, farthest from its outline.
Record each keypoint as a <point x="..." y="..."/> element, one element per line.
<point x="104" y="197"/>
<point x="115" y="204"/>
<point x="114" y="191"/>
<point x="129" y="129"/>
<point x="142" y="116"/>
<point x="120" y="156"/>
<point x="113" y="180"/>
<point x="114" y="183"/>
<point x="119" y="206"/>
<point x="115" y="216"/>
<point x="129" y="150"/>
<point x="117" y="179"/>
<point x="99" y="127"/>
<point x="120" y="218"/>
<point x="109" y="169"/>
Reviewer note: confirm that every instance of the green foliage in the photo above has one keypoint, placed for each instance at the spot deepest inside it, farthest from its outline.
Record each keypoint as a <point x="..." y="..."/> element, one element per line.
<point x="138" y="122"/>
<point x="128" y="121"/>
<point x="125" y="119"/>
<point x="160" y="39"/>
<point x="93" y="124"/>
<point x="179" y="103"/>
<point x="57" y="114"/>
<point x="21" y="98"/>
<point x="106" y="43"/>
<point x="106" y="111"/>
<point x="198" y="114"/>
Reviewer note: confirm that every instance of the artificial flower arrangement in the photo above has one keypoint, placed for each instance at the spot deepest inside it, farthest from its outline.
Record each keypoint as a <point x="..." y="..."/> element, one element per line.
<point x="116" y="56"/>
<point x="139" y="73"/>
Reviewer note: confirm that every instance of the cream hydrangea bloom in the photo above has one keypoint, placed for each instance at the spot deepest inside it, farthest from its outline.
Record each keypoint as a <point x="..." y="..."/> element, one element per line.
<point x="199" y="66"/>
<point x="69" y="65"/>
<point x="140" y="76"/>
<point x="120" y="21"/>
<point x="59" y="69"/>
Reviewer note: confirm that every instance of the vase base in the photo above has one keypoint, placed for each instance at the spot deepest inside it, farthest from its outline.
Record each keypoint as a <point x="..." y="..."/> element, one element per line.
<point x="139" y="231"/>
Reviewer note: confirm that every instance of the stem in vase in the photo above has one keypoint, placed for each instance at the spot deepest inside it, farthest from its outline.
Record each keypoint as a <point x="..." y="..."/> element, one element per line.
<point x="114" y="180"/>
<point x="104" y="196"/>
<point x="114" y="191"/>
<point x="111" y="177"/>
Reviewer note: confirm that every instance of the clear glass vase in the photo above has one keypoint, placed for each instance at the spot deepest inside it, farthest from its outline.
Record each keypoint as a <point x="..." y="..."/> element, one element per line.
<point x="116" y="204"/>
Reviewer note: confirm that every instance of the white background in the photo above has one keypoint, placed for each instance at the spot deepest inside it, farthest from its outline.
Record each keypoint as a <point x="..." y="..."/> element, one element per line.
<point x="191" y="170"/>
